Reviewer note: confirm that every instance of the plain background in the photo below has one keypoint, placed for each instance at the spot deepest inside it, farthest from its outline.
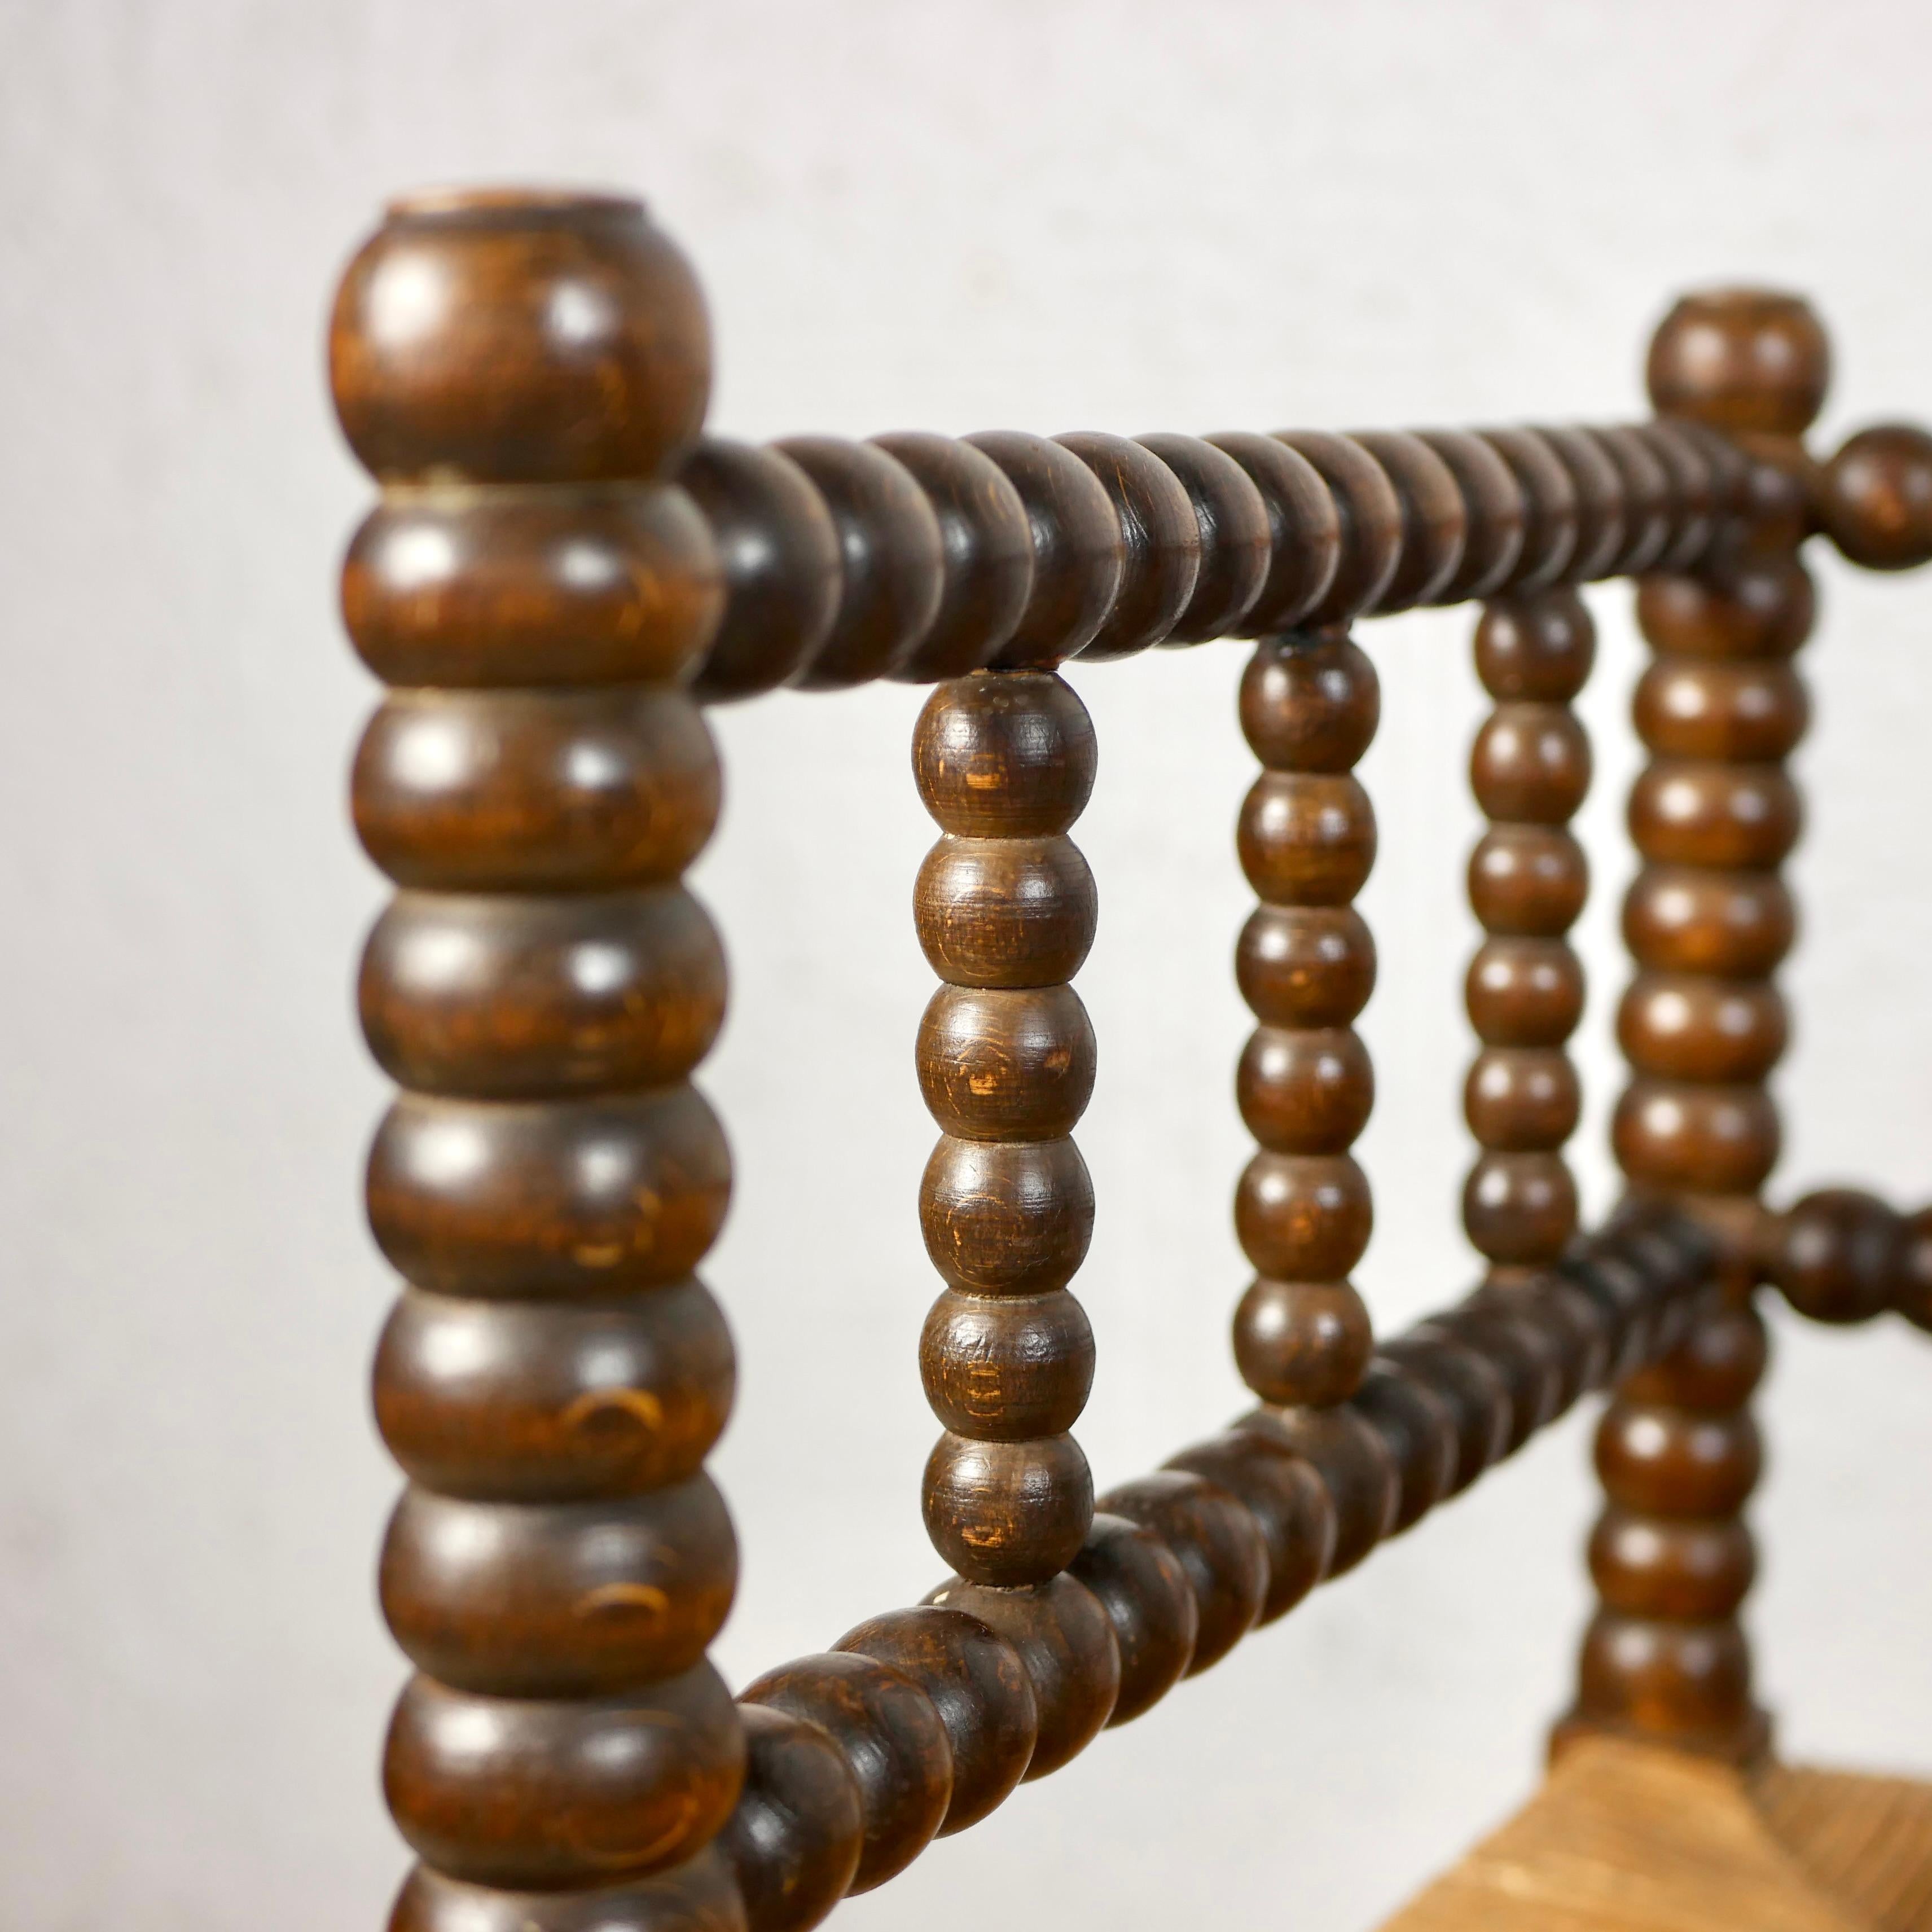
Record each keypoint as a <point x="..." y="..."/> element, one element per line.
<point x="1043" y="214"/>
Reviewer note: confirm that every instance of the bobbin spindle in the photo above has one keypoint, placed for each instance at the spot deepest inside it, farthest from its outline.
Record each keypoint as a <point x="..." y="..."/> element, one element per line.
<point x="521" y="373"/>
<point x="1530" y="769"/>
<point x="1713" y="815"/>
<point x="1310" y="704"/>
<point x="1006" y="911"/>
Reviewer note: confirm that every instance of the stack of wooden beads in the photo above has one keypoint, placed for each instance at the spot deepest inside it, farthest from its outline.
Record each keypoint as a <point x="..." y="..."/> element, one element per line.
<point x="1006" y="911"/>
<point x="1309" y="706"/>
<point x="1707" y="920"/>
<point x="1528" y="880"/>
<point x="1841" y="1256"/>
<point x="519" y="372"/>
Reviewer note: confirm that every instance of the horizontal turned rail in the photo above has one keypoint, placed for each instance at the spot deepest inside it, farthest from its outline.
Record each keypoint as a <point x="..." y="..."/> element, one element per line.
<point x="918" y="1722"/>
<point x="919" y="557"/>
<point x="1842" y="1256"/>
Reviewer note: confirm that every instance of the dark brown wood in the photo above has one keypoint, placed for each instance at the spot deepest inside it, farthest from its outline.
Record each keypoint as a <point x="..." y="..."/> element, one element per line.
<point x="561" y="1600"/>
<point x="980" y="1689"/>
<point x="1065" y="1641"/>
<point x="1603" y="515"/>
<point x="1017" y="1680"/>
<point x="559" y="572"/>
<point x="1434" y="520"/>
<point x="1304" y="529"/>
<point x="1678" y="1456"/>
<point x="1741" y="359"/>
<point x="563" y="1200"/>
<point x="1149" y="1599"/>
<point x="1221" y="1551"/>
<point x="920" y="557"/>
<point x="1712" y="815"/>
<point x="1495" y="513"/>
<point x="470" y="589"/>
<point x="1530" y="769"/>
<point x="1913" y="1289"/>
<point x="532" y="1402"/>
<point x="1288" y="1501"/>
<point x="1876" y="497"/>
<point x="782" y="562"/>
<point x="1841" y="1255"/>
<point x="703" y="1892"/>
<point x="892" y="561"/>
<point x="793" y="1843"/>
<point x="892" y="1740"/>
<point x="1570" y="1326"/>
<point x="1354" y="1462"/>
<point x="522" y="374"/>
<point x="544" y="790"/>
<point x="1645" y="488"/>
<point x="1160" y="542"/>
<point x="985" y="549"/>
<point x="551" y="1794"/>
<point x="1371" y="520"/>
<point x="1474" y="1398"/>
<point x="1692" y="492"/>
<point x="1417" y="1428"/>
<point x="521" y="338"/>
<point x="1234" y="533"/>
<point x="1005" y="907"/>
<point x="1309" y="705"/>
<point x="1077" y="556"/>
<point x="1550" y="512"/>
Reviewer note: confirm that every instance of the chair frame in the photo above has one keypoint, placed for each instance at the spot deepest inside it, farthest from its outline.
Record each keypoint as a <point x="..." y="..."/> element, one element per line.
<point x="561" y="573"/>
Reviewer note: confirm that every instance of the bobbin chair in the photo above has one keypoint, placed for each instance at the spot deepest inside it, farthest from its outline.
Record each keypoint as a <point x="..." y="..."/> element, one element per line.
<point x="562" y="573"/>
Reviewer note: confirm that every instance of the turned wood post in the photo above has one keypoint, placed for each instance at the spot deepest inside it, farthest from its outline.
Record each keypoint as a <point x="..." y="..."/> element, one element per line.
<point x="1713" y="815"/>
<point x="519" y="373"/>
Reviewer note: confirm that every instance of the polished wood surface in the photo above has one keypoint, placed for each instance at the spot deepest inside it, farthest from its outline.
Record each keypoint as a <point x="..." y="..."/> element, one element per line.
<point x="1713" y="815"/>
<point x="561" y="572"/>
<point x="1530" y="769"/>
<point x="520" y="374"/>
<point x="1841" y="1256"/>
<point x="1310" y="704"/>
<point x="1174" y="1569"/>
<point x="1006" y="910"/>
<point x="917" y="557"/>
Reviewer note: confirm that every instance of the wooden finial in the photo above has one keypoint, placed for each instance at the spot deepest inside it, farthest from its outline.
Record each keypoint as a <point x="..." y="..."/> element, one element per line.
<point x="1750" y="360"/>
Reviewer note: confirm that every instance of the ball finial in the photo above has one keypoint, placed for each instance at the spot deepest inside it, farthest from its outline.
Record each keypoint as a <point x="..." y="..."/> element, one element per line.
<point x="1875" y="497"/>
<point x="1742" y="360"/>
<point x="500" y="337"/>
<point x="1838" y="1256"/>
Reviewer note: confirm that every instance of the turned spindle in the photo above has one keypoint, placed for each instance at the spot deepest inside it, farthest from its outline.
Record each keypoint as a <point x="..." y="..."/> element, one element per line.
<point x="520" y="373"/>
<point x="1528" y="880"/>
<point x="1310" y="704"/>
<point x="1006" y="909"/>
<point x="1529" y="770"/>
<point x="1713" y="815"/>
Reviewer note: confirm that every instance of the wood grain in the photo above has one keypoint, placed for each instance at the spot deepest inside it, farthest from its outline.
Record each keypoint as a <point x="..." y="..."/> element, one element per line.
<point x="1624" y="1838"/>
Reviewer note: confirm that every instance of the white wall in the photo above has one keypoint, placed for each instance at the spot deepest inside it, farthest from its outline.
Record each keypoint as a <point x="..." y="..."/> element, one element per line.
<point x="1047" y="215"/>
